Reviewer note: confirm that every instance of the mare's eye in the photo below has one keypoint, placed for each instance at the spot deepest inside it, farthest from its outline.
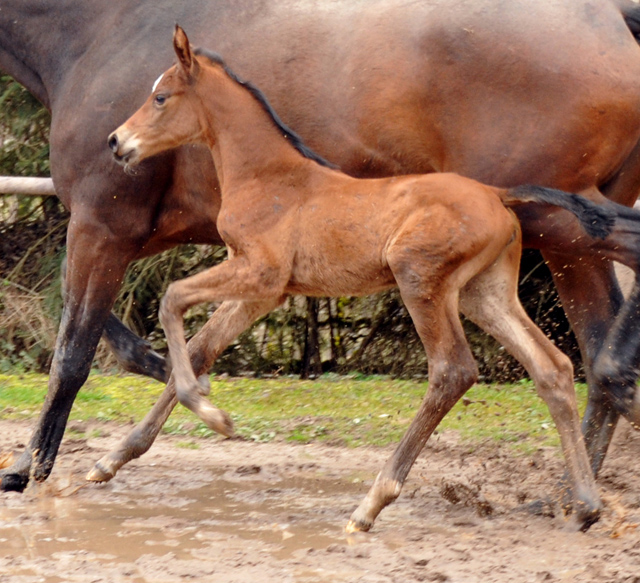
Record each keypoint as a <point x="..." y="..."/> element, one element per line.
<point x="160" y="99"/>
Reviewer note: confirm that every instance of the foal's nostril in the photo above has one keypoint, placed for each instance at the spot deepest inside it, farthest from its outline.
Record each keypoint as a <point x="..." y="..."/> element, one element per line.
<point x="113" y="143"/>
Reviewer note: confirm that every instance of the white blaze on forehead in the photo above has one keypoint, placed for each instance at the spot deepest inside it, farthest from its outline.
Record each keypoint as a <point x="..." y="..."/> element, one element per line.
<point x="155" y="85"/>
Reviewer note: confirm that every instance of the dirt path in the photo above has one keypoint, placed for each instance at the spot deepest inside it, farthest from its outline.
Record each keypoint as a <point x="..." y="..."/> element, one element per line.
<point x="234" y="511"/>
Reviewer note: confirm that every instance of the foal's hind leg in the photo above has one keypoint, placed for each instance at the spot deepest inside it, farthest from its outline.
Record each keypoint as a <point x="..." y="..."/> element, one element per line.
<point x="491" y="301"/>
<point x="226" y="323"/>
<point x="452" y="370"/>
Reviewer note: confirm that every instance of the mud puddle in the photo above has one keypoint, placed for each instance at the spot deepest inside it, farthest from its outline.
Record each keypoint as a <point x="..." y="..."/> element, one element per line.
<point x="284" y="517"/>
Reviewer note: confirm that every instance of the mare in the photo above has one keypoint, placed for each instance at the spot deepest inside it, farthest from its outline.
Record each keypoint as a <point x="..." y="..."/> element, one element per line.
<point x="504" y="92"/>
<point x="292" y="224"/>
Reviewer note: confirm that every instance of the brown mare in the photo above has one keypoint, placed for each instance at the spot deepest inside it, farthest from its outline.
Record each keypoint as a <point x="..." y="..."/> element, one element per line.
<point x="294" y="225"/>
<point x="507" y="93"/>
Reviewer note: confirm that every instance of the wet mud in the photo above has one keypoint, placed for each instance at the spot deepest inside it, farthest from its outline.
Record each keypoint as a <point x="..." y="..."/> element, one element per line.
<point x="234" y="511"/>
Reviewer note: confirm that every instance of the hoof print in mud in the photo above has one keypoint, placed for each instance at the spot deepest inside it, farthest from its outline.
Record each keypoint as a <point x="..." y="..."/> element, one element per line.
<point x="469" y="495"/>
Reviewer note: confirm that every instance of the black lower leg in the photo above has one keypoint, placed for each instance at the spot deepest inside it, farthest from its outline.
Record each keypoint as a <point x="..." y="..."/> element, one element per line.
<point x="616" y="367"/>
<point x="133" y="353"/>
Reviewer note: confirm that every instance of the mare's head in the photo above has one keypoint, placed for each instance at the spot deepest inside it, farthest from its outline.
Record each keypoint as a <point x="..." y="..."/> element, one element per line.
<point x="170" y="117"/>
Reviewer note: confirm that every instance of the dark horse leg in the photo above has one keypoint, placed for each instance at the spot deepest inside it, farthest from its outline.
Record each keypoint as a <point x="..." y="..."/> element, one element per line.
<point x="132" y="352"/>
<point x="593" y="308"/>
<point x="97" y="264"/>
<point x="227" y="322"/>
<point x="612" y="389"/>
<point x="607" y="327"/>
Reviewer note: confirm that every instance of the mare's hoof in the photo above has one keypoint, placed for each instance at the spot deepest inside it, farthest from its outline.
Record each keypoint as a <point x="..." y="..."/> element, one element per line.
<point x="217" y="420"/>
<point x="584" y="516"/>
<point x="634" y="413"/>
<point x="100" y="472"/>
<point x="11" y="482"/>
<point x="576" y="524"/>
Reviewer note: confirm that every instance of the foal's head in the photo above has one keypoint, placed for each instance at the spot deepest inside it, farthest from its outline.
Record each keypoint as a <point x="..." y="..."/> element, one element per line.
<point x="175" y="113"/>
<point x="171" y="116"/>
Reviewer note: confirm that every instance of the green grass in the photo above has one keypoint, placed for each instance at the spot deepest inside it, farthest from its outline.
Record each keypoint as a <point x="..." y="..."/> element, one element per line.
<point x="342" y="410"/>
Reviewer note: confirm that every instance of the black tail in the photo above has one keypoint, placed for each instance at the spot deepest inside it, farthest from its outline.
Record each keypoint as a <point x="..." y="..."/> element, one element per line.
<point x="596" y="220"/>
<point x="631" y="15"/>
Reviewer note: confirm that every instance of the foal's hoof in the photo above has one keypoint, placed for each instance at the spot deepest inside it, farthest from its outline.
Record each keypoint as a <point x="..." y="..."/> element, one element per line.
<point x="217" y="420"/>
<point x="100" y="472"/>
<point x="360" y="521"/>
<point x="357" y="526"/>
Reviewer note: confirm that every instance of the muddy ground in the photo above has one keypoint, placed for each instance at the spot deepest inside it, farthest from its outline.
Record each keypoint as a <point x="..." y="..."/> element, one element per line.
<point x="234" y="511"/>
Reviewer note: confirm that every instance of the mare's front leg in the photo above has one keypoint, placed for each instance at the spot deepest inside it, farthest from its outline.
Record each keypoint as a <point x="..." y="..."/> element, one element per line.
<point x="97" y="264"/>
<point x="615" y="373"/>
<point x="236" y="279"/>
<point x="133" y="354"/>
<point x="226" y="323"/>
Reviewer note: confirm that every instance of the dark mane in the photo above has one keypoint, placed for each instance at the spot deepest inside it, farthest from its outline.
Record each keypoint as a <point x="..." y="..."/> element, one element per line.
<point x="294" y="139"/>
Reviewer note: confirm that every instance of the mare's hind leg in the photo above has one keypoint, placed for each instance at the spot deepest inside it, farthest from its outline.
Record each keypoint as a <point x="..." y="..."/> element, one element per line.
<point x="226" y="323"/>
<point x="491" y="301"/>
<point x="452" y="370"/>
<point x="134" y="354"/>
<point x="591" y="309"/>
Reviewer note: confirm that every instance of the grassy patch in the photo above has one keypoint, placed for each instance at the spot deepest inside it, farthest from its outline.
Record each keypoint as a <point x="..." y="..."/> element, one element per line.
<point x="343" y="410"/>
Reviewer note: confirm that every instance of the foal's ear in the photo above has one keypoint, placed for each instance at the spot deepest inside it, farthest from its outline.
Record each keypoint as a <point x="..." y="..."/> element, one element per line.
<point x="183" y="49"/>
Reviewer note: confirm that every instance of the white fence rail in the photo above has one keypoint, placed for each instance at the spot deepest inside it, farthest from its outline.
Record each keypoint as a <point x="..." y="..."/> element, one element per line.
<point x="26" y="186"/>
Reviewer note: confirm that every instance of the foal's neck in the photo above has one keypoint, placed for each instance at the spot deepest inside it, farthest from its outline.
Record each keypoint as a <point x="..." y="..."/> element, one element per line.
<point x="244" y="140"/>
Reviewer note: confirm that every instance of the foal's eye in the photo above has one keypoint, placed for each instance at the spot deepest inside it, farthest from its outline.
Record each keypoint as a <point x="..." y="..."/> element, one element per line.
<point x="160" y="99"/>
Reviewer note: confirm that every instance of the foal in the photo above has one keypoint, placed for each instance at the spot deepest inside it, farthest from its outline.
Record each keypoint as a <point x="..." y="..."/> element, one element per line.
<point x="294" y="225"/>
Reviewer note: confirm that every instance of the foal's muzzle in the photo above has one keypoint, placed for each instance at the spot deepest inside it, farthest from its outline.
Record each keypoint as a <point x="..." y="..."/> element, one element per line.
<point x="114" y="145"/>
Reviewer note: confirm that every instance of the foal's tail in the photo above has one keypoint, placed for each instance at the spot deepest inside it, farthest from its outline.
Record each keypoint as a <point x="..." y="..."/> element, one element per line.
<point x="596" y="220"/>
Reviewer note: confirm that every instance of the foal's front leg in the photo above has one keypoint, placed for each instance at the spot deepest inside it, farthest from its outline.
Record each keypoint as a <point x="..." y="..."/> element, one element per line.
<point x="227" y="322"/>
<point x="235" y="279"/>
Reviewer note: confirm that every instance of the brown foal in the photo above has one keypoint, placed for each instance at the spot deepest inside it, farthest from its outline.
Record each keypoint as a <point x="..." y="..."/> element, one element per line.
<point x="294" y="225"/>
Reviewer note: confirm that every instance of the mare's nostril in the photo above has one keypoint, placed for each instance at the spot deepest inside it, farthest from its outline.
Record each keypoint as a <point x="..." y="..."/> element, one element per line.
<point x="113" y="143"/>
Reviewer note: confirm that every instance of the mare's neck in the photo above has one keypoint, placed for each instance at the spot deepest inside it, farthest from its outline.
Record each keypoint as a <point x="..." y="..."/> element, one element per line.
<point x="245" y="143"/>
<point x="41" y="39"/>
